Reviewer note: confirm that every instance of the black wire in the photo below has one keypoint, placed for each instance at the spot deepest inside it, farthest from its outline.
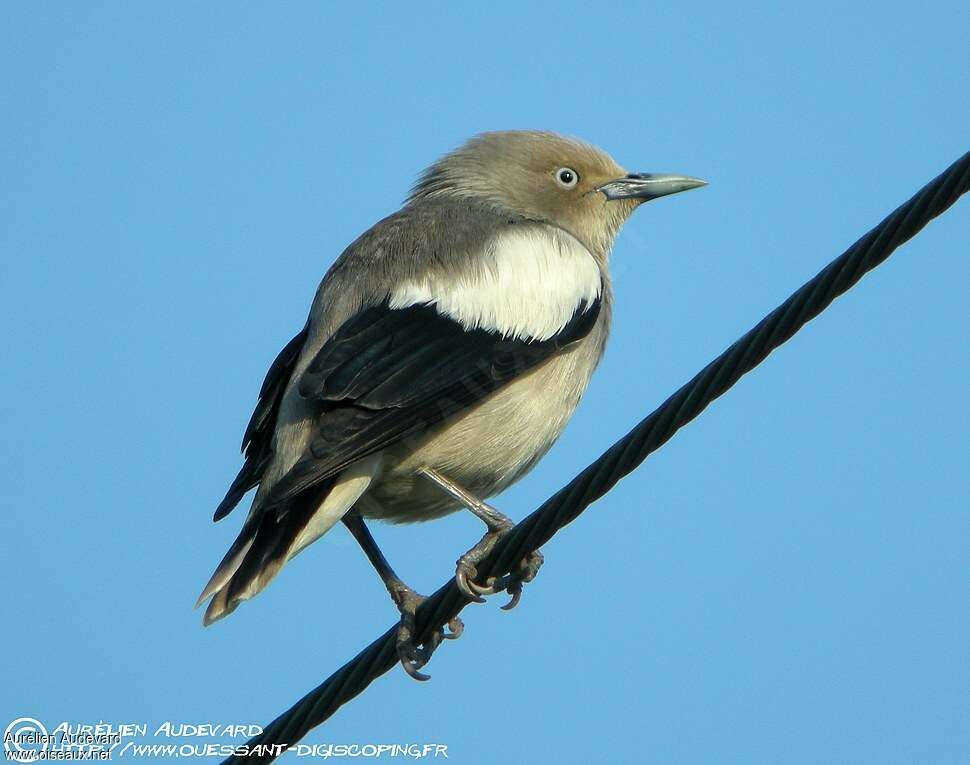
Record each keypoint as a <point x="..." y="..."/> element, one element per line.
<point x="626" y="454"/>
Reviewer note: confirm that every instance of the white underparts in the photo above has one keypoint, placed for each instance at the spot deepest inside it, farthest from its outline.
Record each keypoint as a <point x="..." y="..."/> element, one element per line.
<point x="527" y="285"/>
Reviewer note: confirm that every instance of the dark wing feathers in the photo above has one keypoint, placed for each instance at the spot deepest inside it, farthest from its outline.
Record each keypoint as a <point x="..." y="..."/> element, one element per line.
<point x="260" y="427"/>
<point x="272" y="538"/>
<point x="258" y="438"/>
<point x="388" y="374"/>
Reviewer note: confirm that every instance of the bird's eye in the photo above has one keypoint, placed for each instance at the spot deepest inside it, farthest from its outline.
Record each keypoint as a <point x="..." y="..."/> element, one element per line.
<point x="567" y="177"/>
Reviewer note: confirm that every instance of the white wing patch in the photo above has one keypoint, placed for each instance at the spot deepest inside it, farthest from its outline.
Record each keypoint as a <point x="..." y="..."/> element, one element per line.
<point x="528" y="285"/>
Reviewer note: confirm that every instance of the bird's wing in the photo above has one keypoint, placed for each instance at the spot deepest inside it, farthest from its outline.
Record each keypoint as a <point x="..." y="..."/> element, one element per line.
<point x="258" y="438"/>
<point x="389" y="373"/>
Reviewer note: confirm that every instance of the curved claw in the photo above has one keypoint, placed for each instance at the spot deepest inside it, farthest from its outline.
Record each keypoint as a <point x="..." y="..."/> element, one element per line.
<point x="465" y="583"/>
<point x="490" y="587"/>
<point x="515" y="590"/>
<point x="411" y="667"/>
<point x="412" y="657"/>
<point x="455" y="627"/>
<point x="512" y="583"/>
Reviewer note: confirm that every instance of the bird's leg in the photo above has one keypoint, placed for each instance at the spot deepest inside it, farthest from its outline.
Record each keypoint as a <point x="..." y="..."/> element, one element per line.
<point x="413" y="656"/>
<point x="498" y="525"/>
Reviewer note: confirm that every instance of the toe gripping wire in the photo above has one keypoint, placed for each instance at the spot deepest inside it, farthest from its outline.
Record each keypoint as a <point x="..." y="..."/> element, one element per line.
<point x="622" y="458"/>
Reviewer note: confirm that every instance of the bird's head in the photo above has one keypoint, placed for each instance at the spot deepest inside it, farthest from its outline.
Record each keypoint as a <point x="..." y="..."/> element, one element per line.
<point x="548" y="177"/>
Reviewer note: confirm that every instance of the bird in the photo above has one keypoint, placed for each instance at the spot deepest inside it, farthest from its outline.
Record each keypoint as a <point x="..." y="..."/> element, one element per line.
<point x="445" y="350"/>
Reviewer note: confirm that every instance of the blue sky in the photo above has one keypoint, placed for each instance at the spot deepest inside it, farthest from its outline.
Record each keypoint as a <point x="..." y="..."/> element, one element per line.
<point x="786" y="581"/>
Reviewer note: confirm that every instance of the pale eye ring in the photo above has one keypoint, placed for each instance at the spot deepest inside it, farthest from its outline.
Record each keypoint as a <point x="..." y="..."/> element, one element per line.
<point x="567" y="177"/>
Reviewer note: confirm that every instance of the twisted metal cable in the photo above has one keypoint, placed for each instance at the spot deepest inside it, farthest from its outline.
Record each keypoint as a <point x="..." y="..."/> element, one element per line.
<point x="624" y="456"/>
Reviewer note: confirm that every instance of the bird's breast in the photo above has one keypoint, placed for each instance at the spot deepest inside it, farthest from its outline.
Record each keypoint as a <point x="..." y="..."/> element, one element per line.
<point x="494" y="443"/>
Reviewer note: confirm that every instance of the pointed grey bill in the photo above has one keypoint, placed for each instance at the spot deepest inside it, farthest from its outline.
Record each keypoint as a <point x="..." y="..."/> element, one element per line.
<point x="647" y="186"/>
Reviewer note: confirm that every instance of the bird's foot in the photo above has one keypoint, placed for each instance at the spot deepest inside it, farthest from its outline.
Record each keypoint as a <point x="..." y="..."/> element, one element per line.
<point x="414" y="656"/>
<point x="499" y="525"/>
<point x="467" y="571"/>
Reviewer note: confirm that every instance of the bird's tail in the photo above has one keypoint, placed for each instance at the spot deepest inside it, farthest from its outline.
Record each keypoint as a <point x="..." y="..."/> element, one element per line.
<point x="272" y="535"/>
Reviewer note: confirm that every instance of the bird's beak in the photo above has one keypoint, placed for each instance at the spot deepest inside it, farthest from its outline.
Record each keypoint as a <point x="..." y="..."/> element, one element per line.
<point x="647" y="186"/>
